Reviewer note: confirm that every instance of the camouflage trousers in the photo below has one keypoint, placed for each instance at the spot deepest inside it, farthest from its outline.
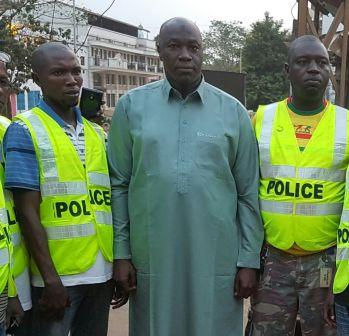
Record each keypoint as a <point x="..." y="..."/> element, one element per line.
<point x="290" y="286"/>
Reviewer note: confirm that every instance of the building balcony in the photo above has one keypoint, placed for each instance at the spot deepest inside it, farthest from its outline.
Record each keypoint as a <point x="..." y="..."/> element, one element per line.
<point x="108" y="63"/>
<point x="143" y="49"/>
<point x="117" y="64"/>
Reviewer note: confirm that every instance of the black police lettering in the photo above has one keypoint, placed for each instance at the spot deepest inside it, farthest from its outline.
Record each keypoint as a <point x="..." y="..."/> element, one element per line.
<point x="10" y="220"/>
<point x="100" y="197"/>
<point x="343" y="235"/>
<point x="74" y="208"/>
<point x="305" y="190"/>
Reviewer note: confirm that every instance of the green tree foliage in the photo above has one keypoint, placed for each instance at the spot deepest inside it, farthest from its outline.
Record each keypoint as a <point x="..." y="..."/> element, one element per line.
<point x="222" y="45"/>
<point x="264" y="56"/>
<point x="21" y="31"/>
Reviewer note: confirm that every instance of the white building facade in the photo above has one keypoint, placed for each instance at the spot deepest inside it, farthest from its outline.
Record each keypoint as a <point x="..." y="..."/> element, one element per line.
<point x="115" y="56"/>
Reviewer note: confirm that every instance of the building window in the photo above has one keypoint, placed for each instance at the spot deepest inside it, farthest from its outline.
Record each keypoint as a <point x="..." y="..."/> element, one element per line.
<point x="112" y="99"/>
<point x="21" y="101"/>
<point x="82" y="60"/>
<point x="97" y="80"/>
<point x="33" y="98"/>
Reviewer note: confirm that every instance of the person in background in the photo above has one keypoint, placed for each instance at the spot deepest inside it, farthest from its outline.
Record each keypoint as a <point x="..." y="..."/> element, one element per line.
<point x="10" y="307"/>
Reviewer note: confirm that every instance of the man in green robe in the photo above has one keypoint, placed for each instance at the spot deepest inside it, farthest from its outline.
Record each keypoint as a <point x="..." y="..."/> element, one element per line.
<point x="184" y="175"/>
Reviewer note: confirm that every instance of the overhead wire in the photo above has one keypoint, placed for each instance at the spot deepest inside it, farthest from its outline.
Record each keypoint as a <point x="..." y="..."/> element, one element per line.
<point x="88" y="31"/>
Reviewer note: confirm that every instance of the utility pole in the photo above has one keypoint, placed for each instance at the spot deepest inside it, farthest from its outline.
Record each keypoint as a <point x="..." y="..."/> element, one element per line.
<point x="240" y="63"/>
<point x="74" y="26"/>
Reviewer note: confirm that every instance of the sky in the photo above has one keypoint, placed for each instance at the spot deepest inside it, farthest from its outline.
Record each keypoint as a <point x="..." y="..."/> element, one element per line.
<point x="152" y="13"/>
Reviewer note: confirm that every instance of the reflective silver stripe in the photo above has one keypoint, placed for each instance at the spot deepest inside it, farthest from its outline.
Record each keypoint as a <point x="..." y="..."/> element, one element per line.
<point x="342" y="253"/>
<point x="340" y="136"/>
<point x="277" y="171"/>
<point x="99" y="179"/>
<point x="70" y="231"/>
<point x="45" y="147"/>
<point x="4" y="122"/>
<point x="8" y="195"/>
<point x="345" y="216"/>
<point x="16" y="239"/>
<point x="4" y="256"/>
<point x="98" y="130"/>
<point x="305" y="209"/>
<point x="310" y="173"/>
<point x="63" y="188"/>
<point x="284" y="208"/>
<point x="309" y="209"/>
<point x="323" y="174"/>
<point x="266" y="132"/>
<point x="104" y="217"/>
<point x="3" y="216"/>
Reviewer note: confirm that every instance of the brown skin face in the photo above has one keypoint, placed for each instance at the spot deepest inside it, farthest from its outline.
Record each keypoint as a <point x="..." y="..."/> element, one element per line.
<point x="180" y="49"/>
<point x="5" y="89"/>
<point x="308" y="71"/>
<point x="60" y="80"/>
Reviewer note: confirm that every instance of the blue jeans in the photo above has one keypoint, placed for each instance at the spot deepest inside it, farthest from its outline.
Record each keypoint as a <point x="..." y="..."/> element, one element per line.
<point x="342" y="319"/>
<point x="87" y="315"/>
<point x="2" y="329"/>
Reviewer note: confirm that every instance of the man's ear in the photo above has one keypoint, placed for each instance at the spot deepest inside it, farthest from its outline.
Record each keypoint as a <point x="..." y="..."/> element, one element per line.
<point x="287" y="69"/>
<point x="36" y="78"/>
<point x="158" y="50"/>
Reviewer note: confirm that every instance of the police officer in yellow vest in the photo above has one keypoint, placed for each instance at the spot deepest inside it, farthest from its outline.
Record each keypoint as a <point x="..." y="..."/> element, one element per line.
<point x="341" y="280"/>
<point x="56" y="167"/>
<point x="8" y="293"/>
<point x="303" y="143"/>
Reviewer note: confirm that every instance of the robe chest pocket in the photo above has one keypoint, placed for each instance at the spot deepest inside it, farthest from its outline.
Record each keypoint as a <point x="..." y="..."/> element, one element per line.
<point x="211" y="155"/>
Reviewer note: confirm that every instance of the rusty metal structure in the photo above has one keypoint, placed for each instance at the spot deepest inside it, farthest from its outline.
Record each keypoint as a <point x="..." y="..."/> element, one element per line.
<point x="336" y="42"/>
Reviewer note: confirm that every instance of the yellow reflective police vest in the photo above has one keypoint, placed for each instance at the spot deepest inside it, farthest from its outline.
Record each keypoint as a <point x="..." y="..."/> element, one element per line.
<point x="20" y="256"/>
<point x="76" y="199"/>
<point x="301" y="193"/>
<point x="6" y="250"/>
<point x="341" y="280"/>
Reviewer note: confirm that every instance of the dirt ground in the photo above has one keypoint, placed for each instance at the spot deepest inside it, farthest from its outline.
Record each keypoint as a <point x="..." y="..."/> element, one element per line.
<point x="118" y="320"/>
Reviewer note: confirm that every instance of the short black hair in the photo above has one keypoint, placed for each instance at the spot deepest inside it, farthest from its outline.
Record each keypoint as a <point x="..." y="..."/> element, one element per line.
<point x="45" y="50"/>
<point x="301" y="39"/>
<point x="175" y="20"/>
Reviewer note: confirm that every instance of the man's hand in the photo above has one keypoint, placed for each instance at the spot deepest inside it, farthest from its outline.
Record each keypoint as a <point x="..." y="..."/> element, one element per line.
<point x="245" y="282"/>
<point x="54" y="300"/>
<point x="329" y="314"/>
<point x="124" y="275"/>
<point x="14" y="311"/>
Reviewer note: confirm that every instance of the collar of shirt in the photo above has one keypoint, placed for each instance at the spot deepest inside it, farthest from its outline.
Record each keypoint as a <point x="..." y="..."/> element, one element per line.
<point x="169" y="91"/>
<point x="49" y="110"/>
